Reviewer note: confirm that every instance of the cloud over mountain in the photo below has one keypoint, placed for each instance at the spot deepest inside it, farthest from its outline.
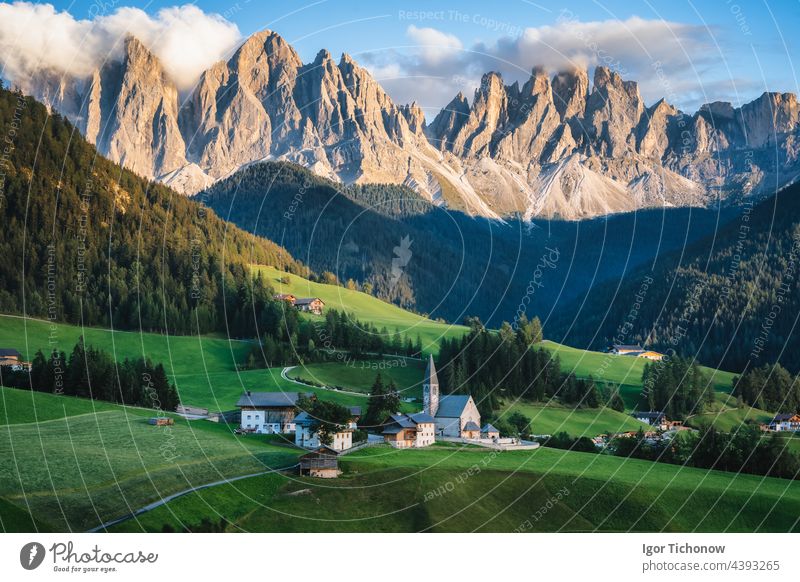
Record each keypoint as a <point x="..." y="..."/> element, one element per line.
<point x="671" y="58"/>
<point x="37" y="36"/>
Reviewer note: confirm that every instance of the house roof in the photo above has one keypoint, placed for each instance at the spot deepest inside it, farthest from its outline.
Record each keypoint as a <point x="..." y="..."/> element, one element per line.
<point x="471" y="426"/>
<point x="430" y="372"/>
<point x="452" y="405"/>
<point x="652" y="415"/>
<point x="307" y="300"/>
<point x="392" y="429"/>
<point x="322" y="450"/>
<point x="403" y="421"/>
<point x="421" y="417"/>
<point x="783" y="416"/>
<point x="9" y="352"/>
<point x="268" y="399"/>
<point x="633" y="347"/>
<point x="489" y="428"/>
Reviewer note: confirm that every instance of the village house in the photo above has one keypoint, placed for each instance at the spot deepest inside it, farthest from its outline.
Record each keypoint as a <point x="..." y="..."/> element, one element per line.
<point x="308" y="438"/>
<point x="626" y="349"/>
<point x="322" y="463"/>
<point x="656" y="419"/>
<point x="268" y="412"/>
<point x="409" y="430"/>
<point x="313" y="305"/>
<point x="285" y="297"/>
<point x="785" y="422"/>
<point x="651" y="355"/>
<point x="11" y="358"/>
<point x="455" y="415"/>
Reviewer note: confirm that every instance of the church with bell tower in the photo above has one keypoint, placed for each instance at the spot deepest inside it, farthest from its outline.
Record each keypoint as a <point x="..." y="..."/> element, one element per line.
<point x="455" y="415"/>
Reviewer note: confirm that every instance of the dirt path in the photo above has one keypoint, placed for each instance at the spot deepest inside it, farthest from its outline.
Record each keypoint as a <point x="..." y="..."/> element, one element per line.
<point x="168" y="498"/>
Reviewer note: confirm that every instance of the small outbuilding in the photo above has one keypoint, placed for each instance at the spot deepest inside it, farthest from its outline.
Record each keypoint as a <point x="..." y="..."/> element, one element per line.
<point x="322" y="463"/>
<point x="161" y="421"/>
<point x="471" y="430"/>
<point x="489" y="432"/>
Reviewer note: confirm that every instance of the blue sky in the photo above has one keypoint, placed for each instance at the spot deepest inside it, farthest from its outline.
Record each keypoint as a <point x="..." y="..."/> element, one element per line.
<point x="689" y="52"/>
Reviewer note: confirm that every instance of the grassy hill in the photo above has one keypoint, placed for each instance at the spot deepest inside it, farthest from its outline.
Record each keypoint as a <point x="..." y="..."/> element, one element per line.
<point x="590" y="422"/>
<point x="79" y="468"/>
<point x="366" y="308"/>
<point x="388" y="490"/>
<point x="359" y="375"/>
<point x="619" y="369"/>
<point x="202" y="367"/>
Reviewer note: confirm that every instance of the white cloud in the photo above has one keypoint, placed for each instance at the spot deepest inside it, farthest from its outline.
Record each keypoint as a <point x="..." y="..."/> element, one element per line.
<point x="685" y="57"/>
<point x="35" y="36"/>
<point x="434" y="46"/>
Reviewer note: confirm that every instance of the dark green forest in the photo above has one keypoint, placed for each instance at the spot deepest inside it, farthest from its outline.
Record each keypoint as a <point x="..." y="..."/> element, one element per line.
<point x="85" y="241"/>
<point x="458" y="265"/>
<point x="507" y="364"/>
<point x="732" y="299"/>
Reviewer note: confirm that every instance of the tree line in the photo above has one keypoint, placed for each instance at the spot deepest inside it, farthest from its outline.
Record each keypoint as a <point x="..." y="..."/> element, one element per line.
<point x="507" y="364"/>
<point x="89" y="372"/>
<point x="288" y="339"/>
<point x="745" y="450"/>
<point x="769" y="387"/>
<point x="676" y="386"/>
<point x="85" y="241"/>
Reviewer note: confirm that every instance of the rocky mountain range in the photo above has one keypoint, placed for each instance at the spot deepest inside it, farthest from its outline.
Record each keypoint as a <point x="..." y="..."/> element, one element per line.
<point x="556" y="146"/>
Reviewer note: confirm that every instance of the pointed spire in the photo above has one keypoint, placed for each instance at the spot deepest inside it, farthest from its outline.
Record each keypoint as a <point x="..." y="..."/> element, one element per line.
<point x="430" y="372"/>
<point x="430" y="389"/>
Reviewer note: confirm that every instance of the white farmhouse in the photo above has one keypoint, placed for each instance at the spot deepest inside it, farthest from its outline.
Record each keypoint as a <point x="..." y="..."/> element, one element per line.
<point x="307" y="438"/>
<point x="268" y="412"/>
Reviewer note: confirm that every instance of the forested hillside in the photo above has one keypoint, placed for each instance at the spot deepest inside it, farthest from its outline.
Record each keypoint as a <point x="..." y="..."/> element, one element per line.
<point x="732" y="299"/>
<point x="85" y="241"/>
<point x="451" y="265"/>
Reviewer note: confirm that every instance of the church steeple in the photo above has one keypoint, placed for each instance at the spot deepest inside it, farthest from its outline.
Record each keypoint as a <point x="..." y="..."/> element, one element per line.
<point x="430" y="389"/>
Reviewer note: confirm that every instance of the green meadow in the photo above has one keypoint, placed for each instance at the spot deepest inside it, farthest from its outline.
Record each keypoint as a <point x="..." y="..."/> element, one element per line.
<point x="78" y="469"/>
<point x="203" y="368"/>
<point x="359" y="375"/>
<point x="464" y="490"/>
<point x="625" y="370"/>
<point x="366" y="308"/>
<point x="589" y="422"/>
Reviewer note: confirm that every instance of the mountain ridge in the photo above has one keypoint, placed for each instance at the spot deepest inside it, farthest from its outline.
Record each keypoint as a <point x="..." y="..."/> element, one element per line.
<point x="556" y="146"/>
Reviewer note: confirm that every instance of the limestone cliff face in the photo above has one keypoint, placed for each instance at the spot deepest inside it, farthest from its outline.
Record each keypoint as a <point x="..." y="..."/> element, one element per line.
<point x="554" y="145"/>
<point x="603" y="151"/>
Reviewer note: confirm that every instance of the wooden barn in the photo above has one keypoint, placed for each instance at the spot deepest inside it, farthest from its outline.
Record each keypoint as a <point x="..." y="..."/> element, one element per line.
<point x="322" y="463"/>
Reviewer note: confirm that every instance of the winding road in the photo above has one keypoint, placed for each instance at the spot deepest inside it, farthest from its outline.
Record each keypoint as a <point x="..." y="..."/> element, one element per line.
<point x="285" y="376"/>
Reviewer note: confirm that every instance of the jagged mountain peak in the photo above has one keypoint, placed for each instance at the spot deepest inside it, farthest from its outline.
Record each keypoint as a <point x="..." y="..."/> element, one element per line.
<point x="496" y="154"/>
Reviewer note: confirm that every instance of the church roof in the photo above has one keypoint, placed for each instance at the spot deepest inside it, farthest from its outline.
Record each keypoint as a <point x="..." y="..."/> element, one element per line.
<point x="471" y="426"/>
<point x="430" y="372"/>
<point x="452" y="405"/>
<point x="489" y="428"/>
